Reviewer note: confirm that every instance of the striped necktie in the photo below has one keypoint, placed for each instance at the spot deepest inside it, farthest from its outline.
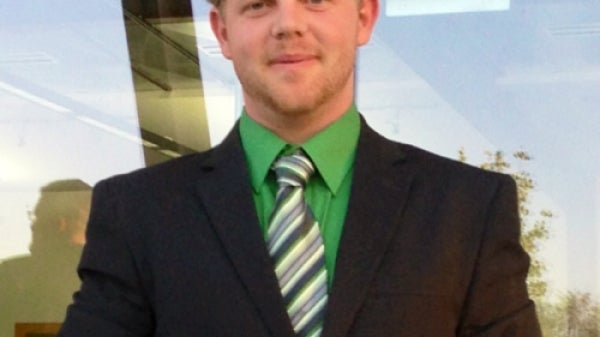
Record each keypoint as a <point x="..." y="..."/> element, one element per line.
<point x="296" y="245"/>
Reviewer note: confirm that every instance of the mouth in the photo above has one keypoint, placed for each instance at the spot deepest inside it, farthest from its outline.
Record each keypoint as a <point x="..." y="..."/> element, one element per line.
<point x="292" y="59"/>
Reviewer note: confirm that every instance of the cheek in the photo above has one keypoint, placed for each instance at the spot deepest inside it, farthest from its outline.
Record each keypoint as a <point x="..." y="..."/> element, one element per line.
<point x="249" y="48"/>
<point x="240" y="39"/>
<point x="338" y="33"/>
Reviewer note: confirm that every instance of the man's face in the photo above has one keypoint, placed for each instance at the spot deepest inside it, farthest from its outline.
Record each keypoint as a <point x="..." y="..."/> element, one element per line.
<point x="294" y="56"/>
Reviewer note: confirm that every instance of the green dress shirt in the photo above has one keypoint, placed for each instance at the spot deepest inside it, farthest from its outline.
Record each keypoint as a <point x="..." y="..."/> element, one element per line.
<point x="332" y="151"/>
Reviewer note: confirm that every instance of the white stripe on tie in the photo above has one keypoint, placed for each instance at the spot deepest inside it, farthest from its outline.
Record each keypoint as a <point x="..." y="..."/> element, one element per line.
<point x="295" y="243"/>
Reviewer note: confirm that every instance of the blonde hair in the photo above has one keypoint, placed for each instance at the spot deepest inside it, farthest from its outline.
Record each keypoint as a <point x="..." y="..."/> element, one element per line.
<point x="215" y="3"/>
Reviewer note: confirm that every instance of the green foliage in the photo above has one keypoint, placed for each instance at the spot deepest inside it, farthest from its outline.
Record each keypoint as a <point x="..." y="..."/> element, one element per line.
<point x="575" y="314"/>
<point x="534" y="225"/>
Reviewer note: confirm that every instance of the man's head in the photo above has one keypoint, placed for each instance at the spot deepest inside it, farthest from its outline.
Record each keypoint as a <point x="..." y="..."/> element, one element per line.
<point x="60" y="215"/>
<point x="294" y="58"/>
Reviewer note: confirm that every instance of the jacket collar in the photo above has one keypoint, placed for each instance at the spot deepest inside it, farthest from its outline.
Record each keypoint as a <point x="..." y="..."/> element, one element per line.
<point x="226" y="182"/>
<point x="380" y="188"/>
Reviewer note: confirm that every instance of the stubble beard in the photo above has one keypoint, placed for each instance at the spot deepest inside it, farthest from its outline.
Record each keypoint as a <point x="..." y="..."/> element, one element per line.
<point x="282" y="102"/>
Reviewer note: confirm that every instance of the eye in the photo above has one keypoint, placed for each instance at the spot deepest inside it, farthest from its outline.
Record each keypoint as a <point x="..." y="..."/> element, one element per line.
<point x="255" y="6"/>
<point x="318" y="4"/>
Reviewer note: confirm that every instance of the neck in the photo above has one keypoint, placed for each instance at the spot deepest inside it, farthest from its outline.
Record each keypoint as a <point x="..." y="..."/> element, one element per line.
<point x="298" y="129"/>
<point x="298" y="126"/>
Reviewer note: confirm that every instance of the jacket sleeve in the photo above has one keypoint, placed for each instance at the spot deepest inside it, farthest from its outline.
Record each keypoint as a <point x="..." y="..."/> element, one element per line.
<point x="112" y="301"/>
<point x="497" y="303"/>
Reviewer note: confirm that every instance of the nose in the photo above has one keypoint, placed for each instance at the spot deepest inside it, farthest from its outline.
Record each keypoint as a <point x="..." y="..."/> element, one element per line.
<point x="290" y="19"/>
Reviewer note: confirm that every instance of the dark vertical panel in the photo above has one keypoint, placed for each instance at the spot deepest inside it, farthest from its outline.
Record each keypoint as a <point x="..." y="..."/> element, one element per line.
<point x="166" y="74"/>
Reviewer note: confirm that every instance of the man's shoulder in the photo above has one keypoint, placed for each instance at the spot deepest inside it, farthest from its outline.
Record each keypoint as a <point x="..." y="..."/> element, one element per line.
<point x="15" y="267"/>
<point x="436" y="161"/>
<point x="179" y="171"/>
<point x="453" y="174"/>
<point x="435" y="167"/>
<point x="163" y="178"/>
<point x="172" y="169"/>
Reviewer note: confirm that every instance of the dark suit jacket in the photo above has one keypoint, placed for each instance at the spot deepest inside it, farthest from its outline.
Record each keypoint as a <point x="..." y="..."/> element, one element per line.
<point x="430" y="247"/>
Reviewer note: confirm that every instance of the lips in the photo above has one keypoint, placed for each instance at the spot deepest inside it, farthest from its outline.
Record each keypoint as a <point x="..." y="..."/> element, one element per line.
<point x="291" y="59"/>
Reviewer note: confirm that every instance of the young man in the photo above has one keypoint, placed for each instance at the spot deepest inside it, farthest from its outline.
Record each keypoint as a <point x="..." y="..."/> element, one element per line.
<point x="406" y="243"/>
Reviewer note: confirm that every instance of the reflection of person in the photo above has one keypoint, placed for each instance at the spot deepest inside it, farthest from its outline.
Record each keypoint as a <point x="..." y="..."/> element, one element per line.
<point x="38" y="287"/>
<point x="415" y="245"/>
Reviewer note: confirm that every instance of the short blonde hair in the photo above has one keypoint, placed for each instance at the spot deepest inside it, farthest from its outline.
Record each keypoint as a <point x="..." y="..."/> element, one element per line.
<point x="215" y="3"/>
<point x="218" y="3"/>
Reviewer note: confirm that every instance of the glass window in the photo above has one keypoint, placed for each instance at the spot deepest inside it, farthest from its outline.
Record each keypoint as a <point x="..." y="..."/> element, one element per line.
<point x="89" y="89"/>
<point x="512" y="86"/>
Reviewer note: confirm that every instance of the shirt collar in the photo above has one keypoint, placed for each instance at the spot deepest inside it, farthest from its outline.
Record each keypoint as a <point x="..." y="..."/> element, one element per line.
<point x="331" y="150"/>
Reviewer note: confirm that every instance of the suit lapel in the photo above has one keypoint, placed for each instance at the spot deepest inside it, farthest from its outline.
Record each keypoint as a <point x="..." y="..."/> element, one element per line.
<point x="226" y="193"/>
<point x="380" y="189"/>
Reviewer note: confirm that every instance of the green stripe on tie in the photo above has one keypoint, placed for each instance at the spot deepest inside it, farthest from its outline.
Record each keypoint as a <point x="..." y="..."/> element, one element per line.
<point x="296" y="245"/>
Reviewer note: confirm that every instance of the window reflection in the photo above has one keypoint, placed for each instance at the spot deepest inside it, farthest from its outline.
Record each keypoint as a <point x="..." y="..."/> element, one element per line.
<point x="93" y="88"/>
<point x="38" y="286"/>
<point x="87" y="89"/>
<point x="522" y="79"/>
<point x="68" y="104"/>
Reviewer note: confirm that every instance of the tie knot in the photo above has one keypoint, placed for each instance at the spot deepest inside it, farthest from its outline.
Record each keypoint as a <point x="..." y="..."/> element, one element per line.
<point x="293" y="170"/>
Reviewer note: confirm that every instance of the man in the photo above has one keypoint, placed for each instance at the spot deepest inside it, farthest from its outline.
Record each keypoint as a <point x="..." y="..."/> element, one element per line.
<point x="411" y="244"/>
<point x="37" y="287"/>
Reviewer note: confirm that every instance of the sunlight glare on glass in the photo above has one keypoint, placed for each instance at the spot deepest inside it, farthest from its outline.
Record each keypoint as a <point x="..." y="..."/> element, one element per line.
<point x="427" y="7"/>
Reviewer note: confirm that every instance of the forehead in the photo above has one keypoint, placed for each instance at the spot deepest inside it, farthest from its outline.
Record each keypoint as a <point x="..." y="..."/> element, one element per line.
<point x="220" y="4"/>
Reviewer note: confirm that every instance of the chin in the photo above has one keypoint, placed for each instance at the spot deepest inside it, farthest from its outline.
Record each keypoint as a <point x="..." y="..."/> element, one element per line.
<point x="295" y="106"/>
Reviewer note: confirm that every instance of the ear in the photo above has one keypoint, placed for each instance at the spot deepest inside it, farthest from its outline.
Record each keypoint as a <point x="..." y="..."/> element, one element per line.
<point x="217" y="23"/>
<point x="368" y="11"/>
<point x="79" y="226"/>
